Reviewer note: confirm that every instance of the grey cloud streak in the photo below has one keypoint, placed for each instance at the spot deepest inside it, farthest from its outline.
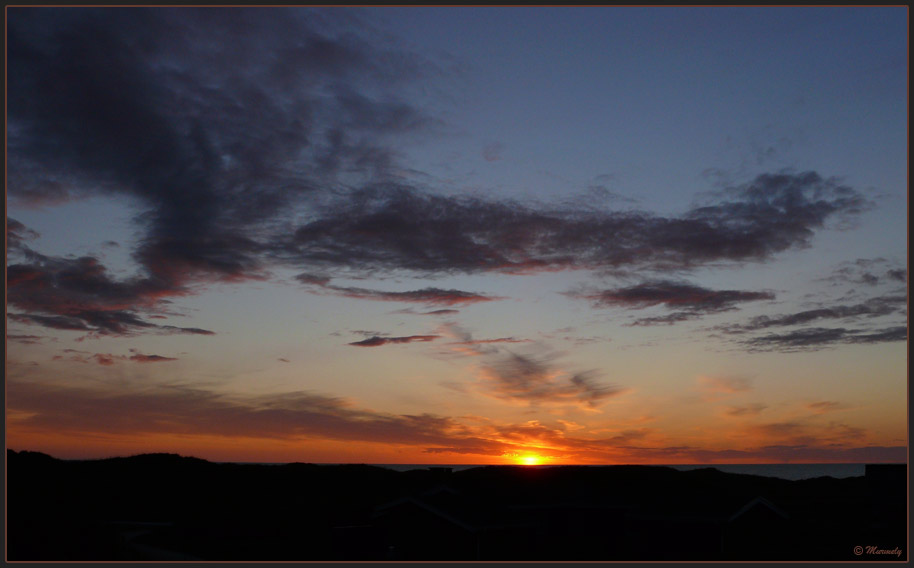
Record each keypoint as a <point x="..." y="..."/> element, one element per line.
<point x="874" y="307"/>
<point x="377" y="341"/>
<point x="428" y="296"/>
<point x="691" y="300"/>
<point x="819" y="337"/>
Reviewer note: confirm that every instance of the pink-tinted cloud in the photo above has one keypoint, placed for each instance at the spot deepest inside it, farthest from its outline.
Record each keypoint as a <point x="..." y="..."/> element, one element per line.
<point x="108" y="359"/>
<point x="26" y="339"/>
<point x="78" y="294"/>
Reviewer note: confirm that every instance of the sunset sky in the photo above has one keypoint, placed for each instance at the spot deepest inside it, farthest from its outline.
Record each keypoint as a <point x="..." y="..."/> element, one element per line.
<point x="458" y="235"/>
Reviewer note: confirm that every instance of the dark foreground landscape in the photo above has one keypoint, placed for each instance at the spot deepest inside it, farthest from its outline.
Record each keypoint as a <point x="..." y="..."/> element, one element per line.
<point x="166" y="507"/>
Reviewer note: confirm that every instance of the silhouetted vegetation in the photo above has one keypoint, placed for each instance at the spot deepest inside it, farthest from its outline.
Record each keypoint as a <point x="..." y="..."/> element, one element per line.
<point x="168" y="507"/>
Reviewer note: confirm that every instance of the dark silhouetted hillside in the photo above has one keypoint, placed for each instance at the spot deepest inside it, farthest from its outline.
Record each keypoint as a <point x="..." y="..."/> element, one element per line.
<point x="169" y="507"/>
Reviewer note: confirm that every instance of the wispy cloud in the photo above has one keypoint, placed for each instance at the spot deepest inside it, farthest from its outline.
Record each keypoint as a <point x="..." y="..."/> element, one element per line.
<point x="108" y="359"/>
<point x="442" y="312"/>
<point x="17" y="234"/>
<point x="874" y="307"/>
<point x="747" y="410"/>
<point x="690" y="300"/>
<point x="26" y="339"/>
<point x="868" y="272"/>
<point x="428" y="296"/>
<point x="820" y="337"/>
<point x="142" y="358"/>
<point x="532" y="377"/>
<point x="377" y="341"/>
<point x="535" y="379"/>
<point x="823" y="406"/>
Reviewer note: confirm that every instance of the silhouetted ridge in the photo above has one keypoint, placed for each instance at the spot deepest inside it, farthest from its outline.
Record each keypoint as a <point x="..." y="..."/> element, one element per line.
<point x="156" y="459"/>
<point x="136" y="507"/>
<point x="29" y="455"/>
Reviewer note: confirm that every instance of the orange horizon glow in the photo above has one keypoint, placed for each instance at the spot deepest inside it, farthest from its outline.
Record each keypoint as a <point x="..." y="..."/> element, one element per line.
<point x="244" y="449"/>
<point x="531" y="459"/>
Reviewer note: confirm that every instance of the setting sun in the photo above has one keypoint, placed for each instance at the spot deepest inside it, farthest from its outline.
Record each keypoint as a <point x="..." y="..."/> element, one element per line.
<point x="531" y="460"/>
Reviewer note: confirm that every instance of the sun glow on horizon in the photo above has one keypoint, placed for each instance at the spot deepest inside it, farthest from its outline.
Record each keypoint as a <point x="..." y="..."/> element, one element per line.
<point x="531" y="459"/>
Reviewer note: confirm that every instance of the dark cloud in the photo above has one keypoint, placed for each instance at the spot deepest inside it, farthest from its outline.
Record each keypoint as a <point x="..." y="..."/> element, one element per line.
<point x="108" y="359"/>
<point x="898" y="275"/>
<point x="78" y="294"/>
<point x="16" y="233"/>
<point x="313" y="279"/>
<point x="868" y="271"/>
<point x="429" y="296"/>
<point x="899" y="333"/>
<point x="377" y="341"/>
<point x="53" y="322"/>
<point x="141" y="358"/>
<point x="875" y="307"/>
<point x="443" y="312"/>
<point x="820" y="337"/>
<point x="811" y="338"/>
<point x="691" y="301"/>
<point x="674" y="294"/>
<point x="392" y="227"/>
<point x="27" y="339"/>
<point x="215" y="121"/>
<point x="253" y="137"/>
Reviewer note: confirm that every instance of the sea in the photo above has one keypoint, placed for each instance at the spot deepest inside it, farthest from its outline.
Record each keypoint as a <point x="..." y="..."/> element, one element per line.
<point x="792" y="471"/>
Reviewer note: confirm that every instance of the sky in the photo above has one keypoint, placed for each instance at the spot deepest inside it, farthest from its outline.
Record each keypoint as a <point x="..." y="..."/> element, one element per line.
<point x="458" y="235"/>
